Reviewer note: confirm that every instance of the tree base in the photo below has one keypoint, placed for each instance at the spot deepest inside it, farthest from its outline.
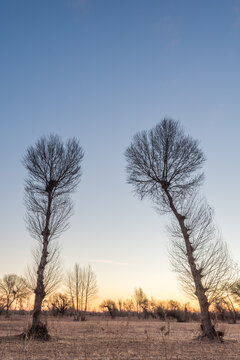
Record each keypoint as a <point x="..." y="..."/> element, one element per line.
<point x="39" y="332"/>
<point x="213" y="335"/>
<point x="210" y="339"/>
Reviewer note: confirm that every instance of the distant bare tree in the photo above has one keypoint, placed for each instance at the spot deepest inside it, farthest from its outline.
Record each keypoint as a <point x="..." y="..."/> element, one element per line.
<point x="226" y="308"/>
<point x="140" y="300"/>
<point x="59" y="304"/>
<point x="111" y="306"/>
<point x="54" y="170"/>
<point x="232" y="297"/>
<point x="82" y="288"/>
<point x="128" y="305"/>
<point x="173" y="305"/>
<point x="120" y="305"/>
<point x="234" y="290"/>
<point x="164" y="165"/>
<point x="12" y="288"/>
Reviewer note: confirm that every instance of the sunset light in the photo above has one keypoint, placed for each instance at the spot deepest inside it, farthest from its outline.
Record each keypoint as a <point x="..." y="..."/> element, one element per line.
<point x="120" y="178"/>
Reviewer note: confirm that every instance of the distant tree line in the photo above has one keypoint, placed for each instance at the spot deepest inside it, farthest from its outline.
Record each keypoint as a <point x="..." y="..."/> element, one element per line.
<point x="224" y="309"/>
<point x="81" y="288"/>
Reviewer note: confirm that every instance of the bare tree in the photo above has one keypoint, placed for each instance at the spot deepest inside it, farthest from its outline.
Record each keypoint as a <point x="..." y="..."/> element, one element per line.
<point x="82" y="288"/>
<point x="140" y="300"/>
<point x="111" y="306"/>
<point x="12" y="288"/>
<point x="59" y="303"/>
<point x="54" y="170"/>
<point x="128" y="305"/>
<point x="164" y="165"/>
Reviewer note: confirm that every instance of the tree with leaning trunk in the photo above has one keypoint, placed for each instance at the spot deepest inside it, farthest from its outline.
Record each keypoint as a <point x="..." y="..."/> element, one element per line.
<point x="164" y="164"/>
<point x="54" y="171"/>
<point x="210" y="253"/>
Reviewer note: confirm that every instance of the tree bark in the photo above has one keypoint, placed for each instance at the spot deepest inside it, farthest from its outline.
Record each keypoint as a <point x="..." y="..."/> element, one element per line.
<point x="40" y="291"/>
<point x="206" y="324"/>
<point x="40" y="288"/>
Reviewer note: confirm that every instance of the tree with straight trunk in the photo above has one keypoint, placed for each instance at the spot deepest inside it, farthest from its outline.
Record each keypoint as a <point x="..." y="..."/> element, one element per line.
<point x="82" y="288"/>
<point x="164" y="164"/>
<point x="54" y="171"/>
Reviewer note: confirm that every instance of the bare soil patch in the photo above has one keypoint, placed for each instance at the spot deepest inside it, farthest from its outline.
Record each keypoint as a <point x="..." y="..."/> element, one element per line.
<point x="106" y="339"/>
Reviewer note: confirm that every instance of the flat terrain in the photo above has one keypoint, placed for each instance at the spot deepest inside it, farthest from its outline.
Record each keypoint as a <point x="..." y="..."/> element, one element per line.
<point x="106" y="339"/>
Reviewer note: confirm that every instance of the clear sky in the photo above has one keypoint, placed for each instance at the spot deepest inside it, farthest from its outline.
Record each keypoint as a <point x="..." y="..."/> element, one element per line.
<point x="102" y="70"/>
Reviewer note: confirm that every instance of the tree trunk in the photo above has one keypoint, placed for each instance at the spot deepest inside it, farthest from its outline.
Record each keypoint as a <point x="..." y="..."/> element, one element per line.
<point x="38" y="329"/>
<point x="83" y="315"/>
<point x="40" y="291"/>
<point x="84" y="311"/>
<point x="206" y="324"/>
<point x="7" y="310"/>
<point x="8" y="306"/>
<point x="76" y="317"/>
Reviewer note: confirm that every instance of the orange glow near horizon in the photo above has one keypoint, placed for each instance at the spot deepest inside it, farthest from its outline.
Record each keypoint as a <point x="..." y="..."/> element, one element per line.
<point x="94" y="305"/>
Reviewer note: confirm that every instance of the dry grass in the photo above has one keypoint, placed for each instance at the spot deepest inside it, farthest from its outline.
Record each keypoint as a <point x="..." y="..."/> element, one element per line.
<point x="116" y="340"/>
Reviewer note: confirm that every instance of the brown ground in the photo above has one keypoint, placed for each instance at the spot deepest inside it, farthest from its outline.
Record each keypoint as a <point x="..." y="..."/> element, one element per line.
<point x="108" y="339"/>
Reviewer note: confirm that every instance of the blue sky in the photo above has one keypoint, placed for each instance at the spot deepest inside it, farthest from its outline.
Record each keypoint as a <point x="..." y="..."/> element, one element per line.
<point x="102" y="71"/>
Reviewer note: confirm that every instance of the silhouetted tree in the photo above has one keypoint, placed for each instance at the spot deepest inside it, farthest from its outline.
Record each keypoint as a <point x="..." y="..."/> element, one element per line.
<point x="54" y="170"/>
<point x="82" y="288"/>
<point x="59" y="303"/>
<point x="141" y="301"/>
<point x="111" y="306"/>
<point x="163" y="164"/>
<point x="128" y="305"/>
<point x="12" y="288"/>
<point x="232" y="298"/>
<point x="234" y="290"/>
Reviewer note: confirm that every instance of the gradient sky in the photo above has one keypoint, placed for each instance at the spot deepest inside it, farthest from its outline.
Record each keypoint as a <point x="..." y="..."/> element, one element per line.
<point x="102" y="70"/>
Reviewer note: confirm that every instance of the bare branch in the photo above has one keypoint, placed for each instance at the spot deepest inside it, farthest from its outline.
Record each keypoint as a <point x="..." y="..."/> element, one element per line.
<point x="53" y="273"/>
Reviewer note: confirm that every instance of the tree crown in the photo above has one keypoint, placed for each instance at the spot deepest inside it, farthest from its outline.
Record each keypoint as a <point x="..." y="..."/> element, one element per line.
<point x="54" y="170"/>
<point x="164" y="158"/>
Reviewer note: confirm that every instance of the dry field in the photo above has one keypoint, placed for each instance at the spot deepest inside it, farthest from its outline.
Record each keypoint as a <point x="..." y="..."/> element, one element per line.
<point x="108" y="339"/>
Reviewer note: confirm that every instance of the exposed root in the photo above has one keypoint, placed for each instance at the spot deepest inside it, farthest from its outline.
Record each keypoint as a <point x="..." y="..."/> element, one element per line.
<point x="39" y="332"/>
<point x="214" y="335"/>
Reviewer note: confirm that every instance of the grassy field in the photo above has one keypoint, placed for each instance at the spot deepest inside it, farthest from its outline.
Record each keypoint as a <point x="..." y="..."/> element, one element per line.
<point x="117" y="339"/>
